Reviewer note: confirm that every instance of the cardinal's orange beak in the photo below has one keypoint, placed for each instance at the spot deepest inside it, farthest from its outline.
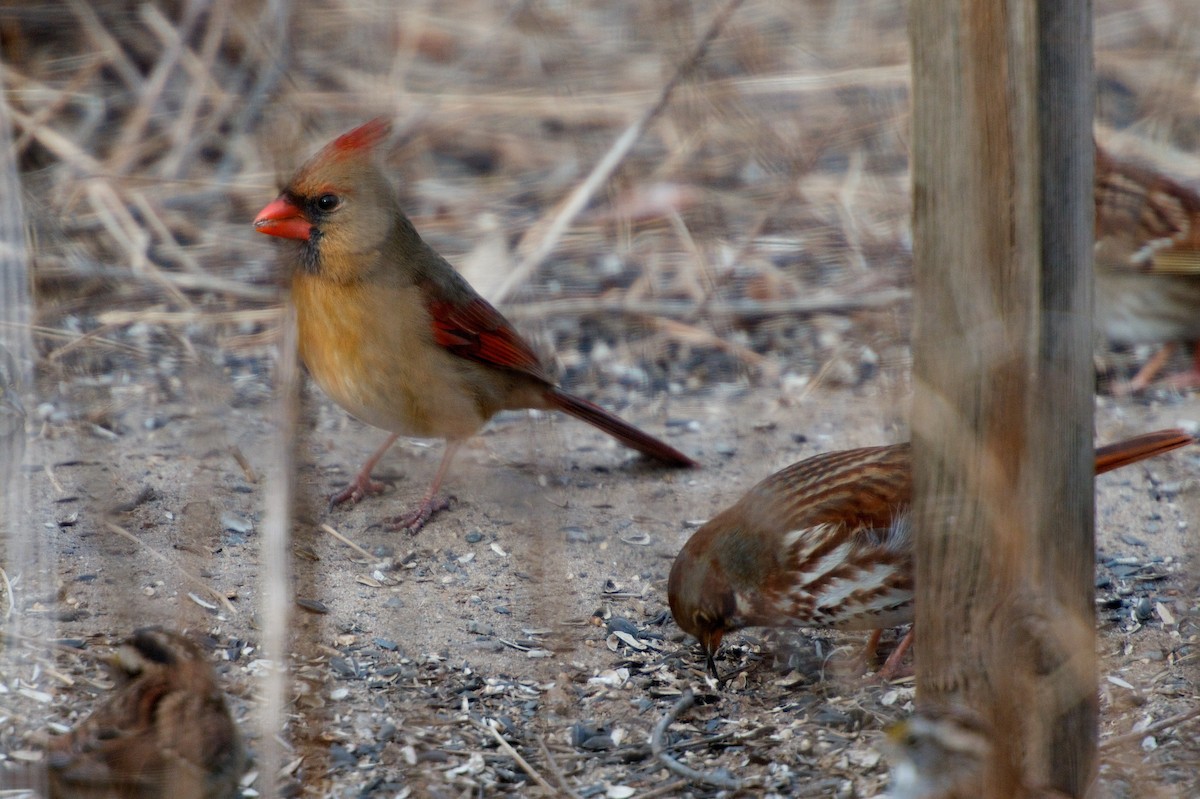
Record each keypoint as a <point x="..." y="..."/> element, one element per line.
<point x="282" y="218"/>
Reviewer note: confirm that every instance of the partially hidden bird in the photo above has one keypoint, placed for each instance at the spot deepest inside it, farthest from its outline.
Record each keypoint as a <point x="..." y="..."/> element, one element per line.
<point x="165" y="731"/>
<point x="393" y="333"/>
<point x="825" y="542"/>
<point x="1147" y="263"/>
<point x="943" y="752"/>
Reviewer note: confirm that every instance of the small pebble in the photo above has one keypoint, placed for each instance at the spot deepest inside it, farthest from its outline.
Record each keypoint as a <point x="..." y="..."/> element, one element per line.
<point x="474" y="537"/>
<point x="312" y="606"/>
<point x="1168" y="490"/>
<point x="235" y="523"/>
<point x="586" y="736"/>
<point x="477" y="628"/>
<point x="619" y="624"/>
<point x="575" y="535"/>
<point x="343" y="667"/>
<point x="340" y="756"/>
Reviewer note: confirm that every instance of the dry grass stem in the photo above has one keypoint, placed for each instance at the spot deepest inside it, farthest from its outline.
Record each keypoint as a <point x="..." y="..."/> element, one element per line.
<point x="825" y="302"/>
<point x="556" y="770"/>
<point x="515" y="755"/>
<point x="541" y="239"/>
<point x="364" y="553"/>
<point x="1118" y="741"/>
<point x="276" y="593"/>
<point x="192" y="578"/>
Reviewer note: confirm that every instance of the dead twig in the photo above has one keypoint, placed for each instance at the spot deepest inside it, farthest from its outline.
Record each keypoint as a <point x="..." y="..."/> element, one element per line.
<point x="9" y="602"/>
<point x="826" y="302"/>
<point x="664" y="790"/>
<point x="690" y="334"/>
<point x="248" y="317"/>
<point x="556" y="770"/>
<point x="348" y="542"/>
<point x="1132" y="737"/>
<point x="540" y="240"/>
<point x="192" y="578"/>
<point x="515" y="755"/>
<point x="247" y="469"/>
<point x="454" y="105"/>
<point x="41" y="644"/>
<point x="659" y="748"/>
<point x="276" y="594"/>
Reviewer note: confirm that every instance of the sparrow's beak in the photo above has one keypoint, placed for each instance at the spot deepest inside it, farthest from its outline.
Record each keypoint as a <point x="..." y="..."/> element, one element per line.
<point x="711" y="643"/>
<point x="282" y="218"/>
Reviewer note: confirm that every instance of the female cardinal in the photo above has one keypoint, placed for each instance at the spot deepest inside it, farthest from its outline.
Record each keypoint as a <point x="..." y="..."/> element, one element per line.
<point x="826" y="542"/>
<point x="395" y="335"/>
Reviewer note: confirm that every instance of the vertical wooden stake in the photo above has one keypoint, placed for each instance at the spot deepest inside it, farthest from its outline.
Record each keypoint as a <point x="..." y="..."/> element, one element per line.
<point x="1002" y="416"/>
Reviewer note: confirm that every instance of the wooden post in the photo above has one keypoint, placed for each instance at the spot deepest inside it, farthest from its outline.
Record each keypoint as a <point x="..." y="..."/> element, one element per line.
<point x="1002" y="416"/>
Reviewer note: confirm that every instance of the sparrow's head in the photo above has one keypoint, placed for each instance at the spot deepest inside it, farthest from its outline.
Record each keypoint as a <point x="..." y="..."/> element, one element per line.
<point x="339" y="205"/>
<point x="701" y="598"/>
<point x="156" y="655"/>
<point x="938" y="752"/>
<point x="164" y="730"/>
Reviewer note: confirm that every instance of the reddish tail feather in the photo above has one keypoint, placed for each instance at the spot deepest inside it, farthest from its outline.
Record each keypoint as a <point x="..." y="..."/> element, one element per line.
<point x="1147" y="445"/>
<point x="618" y="428"/>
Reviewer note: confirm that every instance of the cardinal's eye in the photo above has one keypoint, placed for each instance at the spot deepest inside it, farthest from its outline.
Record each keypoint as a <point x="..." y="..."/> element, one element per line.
<point x="328" y="202"/>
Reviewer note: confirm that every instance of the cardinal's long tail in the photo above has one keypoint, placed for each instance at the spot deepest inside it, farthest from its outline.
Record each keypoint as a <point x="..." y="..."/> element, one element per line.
<point x="1132" y="450"/>
<point x="617" y="427"/>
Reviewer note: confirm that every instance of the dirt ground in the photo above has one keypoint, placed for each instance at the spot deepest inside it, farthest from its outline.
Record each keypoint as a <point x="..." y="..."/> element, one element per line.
<point x="505" y="607"/>
<point x="739" y="284"/>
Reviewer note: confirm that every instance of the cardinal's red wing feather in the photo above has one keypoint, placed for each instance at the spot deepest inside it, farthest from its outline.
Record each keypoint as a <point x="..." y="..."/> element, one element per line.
<point x="478" y="332"/>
